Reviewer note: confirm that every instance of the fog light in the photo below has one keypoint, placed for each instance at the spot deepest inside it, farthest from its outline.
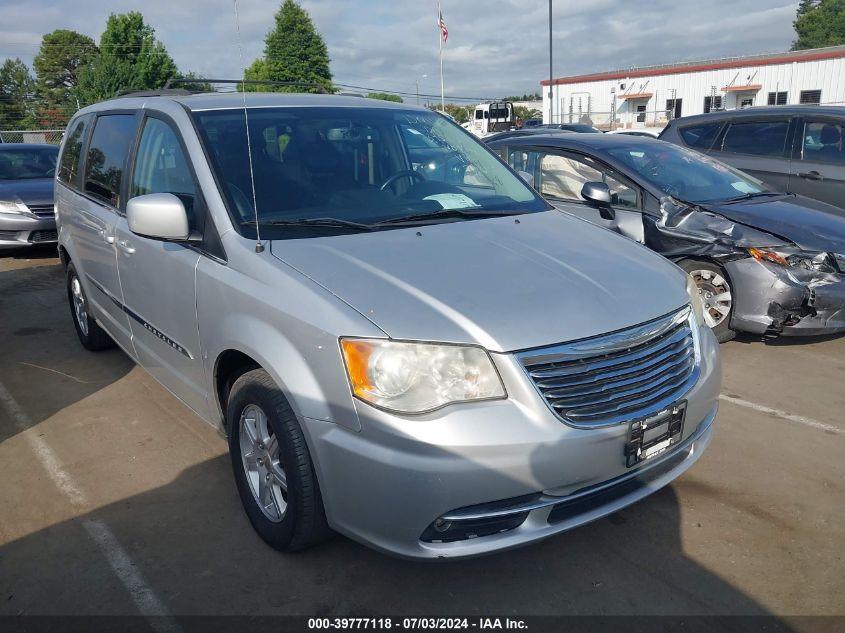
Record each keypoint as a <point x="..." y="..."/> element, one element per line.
<point x="445" y="531"/>
<point x="441" y="525"/>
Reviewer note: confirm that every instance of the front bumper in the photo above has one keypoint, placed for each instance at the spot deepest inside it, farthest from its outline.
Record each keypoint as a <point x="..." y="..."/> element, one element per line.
<point x="21" y="231"/>
<point x="772" y="299"/>
<point x="388" y="483"/>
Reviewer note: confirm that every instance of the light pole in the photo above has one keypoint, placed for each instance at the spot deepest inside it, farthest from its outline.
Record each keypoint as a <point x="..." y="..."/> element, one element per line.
<point x="418" y="88"/>
<point x="551" y="101"/>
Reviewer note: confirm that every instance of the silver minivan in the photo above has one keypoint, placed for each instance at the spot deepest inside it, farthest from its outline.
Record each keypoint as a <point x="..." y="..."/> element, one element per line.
<point x="400" y="339"/>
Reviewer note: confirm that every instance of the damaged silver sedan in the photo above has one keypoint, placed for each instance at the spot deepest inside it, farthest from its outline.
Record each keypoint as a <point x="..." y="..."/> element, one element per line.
<point x="765" y="262"/>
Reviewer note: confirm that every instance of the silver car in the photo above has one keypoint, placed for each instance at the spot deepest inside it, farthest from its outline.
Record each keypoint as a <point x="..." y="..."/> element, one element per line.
<point x="26" y="195"/>
<point x="420" y="354"/>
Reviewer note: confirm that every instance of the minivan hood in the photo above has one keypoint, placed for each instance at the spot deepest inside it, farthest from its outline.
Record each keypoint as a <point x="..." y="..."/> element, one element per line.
<point x="32" y="191"/>
<point x="504" y="283"/>
<point x="810" y="224"/>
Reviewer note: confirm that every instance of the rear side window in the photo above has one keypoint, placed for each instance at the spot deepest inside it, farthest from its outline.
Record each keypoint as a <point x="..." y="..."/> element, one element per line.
<point x="700" y="136"/>
<point x="72" y="152"/>
<point x="111" y="141"/>
<point x="824" y="142"/>
<point x="761" y="138"/>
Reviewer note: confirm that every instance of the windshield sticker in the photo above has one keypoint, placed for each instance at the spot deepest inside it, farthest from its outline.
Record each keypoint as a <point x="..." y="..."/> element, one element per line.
<point x="744" y="187"/>
<point x="453" y="201"/>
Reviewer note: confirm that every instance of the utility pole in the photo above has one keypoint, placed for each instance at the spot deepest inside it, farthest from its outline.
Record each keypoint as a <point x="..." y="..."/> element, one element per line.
<point x="551" y="101"/>
<point x="418" y="87"/>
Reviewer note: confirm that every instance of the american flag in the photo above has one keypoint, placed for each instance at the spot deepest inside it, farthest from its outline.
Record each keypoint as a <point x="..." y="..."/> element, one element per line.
<point x="444" y="32"/>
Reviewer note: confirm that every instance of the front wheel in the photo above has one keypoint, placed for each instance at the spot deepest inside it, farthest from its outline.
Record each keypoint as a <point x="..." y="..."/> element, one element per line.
<point x="272" y="466"/>
<point x="714" y="288"/>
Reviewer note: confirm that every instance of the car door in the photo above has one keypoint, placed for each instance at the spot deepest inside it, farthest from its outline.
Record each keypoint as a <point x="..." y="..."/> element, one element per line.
<point x="158" y="277"/>
<point x="818" y="164"/>
<point x="559" y="176"/>
<point x="94" y="216"/>
<point x="759" y="146"/>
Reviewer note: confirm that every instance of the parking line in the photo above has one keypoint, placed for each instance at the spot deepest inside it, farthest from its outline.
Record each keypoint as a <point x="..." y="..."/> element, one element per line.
<point x="48" y="457"/>
<point x="142" y="595"/>
<point x="800" y="419"/>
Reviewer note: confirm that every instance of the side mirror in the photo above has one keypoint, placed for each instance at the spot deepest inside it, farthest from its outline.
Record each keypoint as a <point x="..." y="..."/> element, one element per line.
<point x="160" y="216"/>
<point x="598" y="194"/>
<point x="526" y="177"/>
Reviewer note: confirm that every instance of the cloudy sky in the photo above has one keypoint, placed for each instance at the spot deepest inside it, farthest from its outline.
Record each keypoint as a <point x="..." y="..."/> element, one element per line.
<point x="495" y="47"/>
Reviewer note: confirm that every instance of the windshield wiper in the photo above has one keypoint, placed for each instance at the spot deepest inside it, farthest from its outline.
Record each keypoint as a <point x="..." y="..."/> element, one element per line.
<point x="335" y="223"/>
<point x="433" y="216"/>
<point x="749" y="196"/>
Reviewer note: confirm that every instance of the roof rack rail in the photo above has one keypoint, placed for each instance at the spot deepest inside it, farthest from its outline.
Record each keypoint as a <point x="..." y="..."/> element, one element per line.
<point x="252" y="82"/>
<point x="161" y="92"/>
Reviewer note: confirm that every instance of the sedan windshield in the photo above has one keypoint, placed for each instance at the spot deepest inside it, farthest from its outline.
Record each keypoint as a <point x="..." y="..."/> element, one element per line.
<point x="24" y="163"/>
<point x="369" y="167"/>
<point x="685" y="174"/>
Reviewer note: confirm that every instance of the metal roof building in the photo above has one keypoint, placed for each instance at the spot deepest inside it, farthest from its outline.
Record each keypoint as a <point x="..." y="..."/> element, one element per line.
<point x="649" y="96"/>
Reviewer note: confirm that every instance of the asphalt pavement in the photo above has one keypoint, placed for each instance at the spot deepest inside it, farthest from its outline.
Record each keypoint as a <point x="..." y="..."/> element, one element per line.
<point x="116" y="500"/>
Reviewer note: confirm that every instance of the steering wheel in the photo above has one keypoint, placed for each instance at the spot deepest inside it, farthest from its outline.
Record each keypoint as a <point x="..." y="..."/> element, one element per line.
<point x="409" y="173"/>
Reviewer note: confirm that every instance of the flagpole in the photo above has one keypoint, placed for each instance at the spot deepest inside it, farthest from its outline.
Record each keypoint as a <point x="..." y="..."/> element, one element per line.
<point x="440" y="41"/>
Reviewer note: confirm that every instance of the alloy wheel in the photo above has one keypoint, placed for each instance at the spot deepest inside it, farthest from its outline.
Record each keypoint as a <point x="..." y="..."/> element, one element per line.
<point x="80" y="308"/>
<point x="260" y="455"/>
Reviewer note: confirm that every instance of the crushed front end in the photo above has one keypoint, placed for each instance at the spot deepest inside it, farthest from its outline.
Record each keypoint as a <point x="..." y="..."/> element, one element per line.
<point x="779" y="293"/>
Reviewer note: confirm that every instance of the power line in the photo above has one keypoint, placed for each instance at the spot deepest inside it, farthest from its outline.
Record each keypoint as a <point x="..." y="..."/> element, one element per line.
<point x="411" y="94"/>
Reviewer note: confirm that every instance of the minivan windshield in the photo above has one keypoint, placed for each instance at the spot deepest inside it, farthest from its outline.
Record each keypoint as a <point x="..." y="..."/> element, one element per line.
<point x="345" y="169"/>
<point x="686" y="174"/>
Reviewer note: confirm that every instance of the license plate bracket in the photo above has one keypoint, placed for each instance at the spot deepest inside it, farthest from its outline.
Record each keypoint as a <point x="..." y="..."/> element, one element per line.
<point x="649" y="437"/>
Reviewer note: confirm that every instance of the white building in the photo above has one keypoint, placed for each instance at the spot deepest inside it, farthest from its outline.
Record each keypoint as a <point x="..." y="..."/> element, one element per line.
<point x="649" y="96"/>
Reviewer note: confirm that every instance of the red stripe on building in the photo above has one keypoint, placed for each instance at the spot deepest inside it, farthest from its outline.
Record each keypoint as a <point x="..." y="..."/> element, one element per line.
<point x="785" y="58"/>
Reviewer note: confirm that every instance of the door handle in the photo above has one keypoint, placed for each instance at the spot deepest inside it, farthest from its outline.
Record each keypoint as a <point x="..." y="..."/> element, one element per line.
<point x="108" y="239"/>
<point x="810" y="175"/>
<point x="125" y="246"/>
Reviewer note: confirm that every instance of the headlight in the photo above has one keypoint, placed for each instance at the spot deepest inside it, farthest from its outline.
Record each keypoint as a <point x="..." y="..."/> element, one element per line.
<point x="13" y="206"/>
<point x="695" y="301"/>
<point x="795" y="258"/>
<point x="419" y="377"/>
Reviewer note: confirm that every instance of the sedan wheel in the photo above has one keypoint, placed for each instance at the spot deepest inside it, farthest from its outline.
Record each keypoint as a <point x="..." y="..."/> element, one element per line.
<point x="715" y="293"/>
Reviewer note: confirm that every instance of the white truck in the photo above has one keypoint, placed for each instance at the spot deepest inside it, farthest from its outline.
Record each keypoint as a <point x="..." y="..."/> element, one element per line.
<point x="493" y="117"/>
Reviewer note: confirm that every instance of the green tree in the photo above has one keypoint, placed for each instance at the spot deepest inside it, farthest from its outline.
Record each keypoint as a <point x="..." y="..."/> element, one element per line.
<point x="383" y="96"/>
<point x="521" y="112"/>
<point x="819" y="23"/>
<point x="458" y="112"/>
<point x="131" y="58"/>
<point x="293" y="51"/>
<point x="57" y="65"/>
<point x="195" y="83"/>
<point x="16" y="90"/>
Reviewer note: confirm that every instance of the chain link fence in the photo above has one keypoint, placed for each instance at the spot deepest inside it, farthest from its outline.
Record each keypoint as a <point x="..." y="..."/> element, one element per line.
<point x="616" y="120"/>
<point x="54" y="137"/>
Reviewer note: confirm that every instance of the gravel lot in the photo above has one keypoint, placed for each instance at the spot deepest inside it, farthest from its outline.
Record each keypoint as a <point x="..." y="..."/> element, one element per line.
<point x="115" y="499"/>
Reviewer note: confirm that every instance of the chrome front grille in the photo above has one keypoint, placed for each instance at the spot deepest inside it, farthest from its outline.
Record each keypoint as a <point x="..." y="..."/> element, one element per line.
<point x="618" y="377"/>
<point x="45" y="211"/>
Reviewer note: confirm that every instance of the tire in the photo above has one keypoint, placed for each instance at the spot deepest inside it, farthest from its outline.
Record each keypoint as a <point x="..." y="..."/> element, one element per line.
<point x="292" y="517"/>
<point x="713" y="282"/>
<point x="91" y="335"/>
